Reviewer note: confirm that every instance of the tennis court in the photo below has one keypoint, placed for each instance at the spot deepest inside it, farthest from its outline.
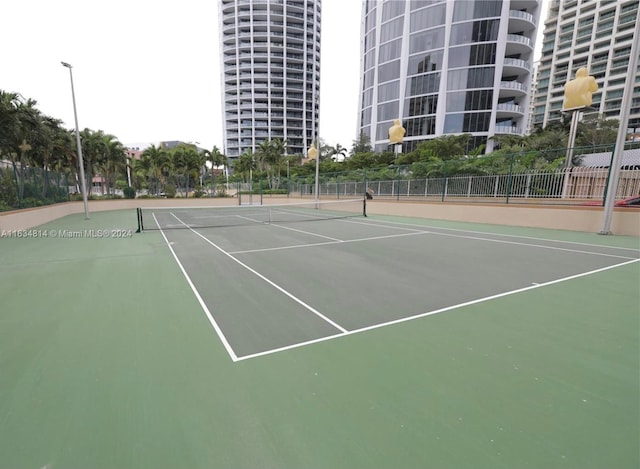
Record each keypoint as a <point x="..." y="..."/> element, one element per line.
<point x="282" y="283"/>
<point x="275" y="339"/>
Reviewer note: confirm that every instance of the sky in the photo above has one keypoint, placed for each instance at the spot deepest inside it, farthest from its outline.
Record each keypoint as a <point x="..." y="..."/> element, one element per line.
<point x="150" y="72"/>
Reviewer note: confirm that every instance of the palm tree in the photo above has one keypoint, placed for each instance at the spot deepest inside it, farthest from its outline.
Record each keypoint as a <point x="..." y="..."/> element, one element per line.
<point x="186" y="164"/>
<point x="92" y="152"/>
<point x="217" y="159"/>
<point x="245" y="164"/>
<point x="9" y="121"/>
<point x="278" y="152"/>
<point x="270" y="154"/>
<point x="25" y="126"/>
<point x="338" y="153"/>
<point x="154" y="166"/>
<point x="46" y="137"/>
<point x="113" y="162"/>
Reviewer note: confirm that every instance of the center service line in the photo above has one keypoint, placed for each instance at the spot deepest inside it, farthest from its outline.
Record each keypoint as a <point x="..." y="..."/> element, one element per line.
<point x="273" y="284"/>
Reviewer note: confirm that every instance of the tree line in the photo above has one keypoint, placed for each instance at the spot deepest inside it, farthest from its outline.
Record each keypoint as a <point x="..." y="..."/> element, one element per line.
<point x="31" y="140"/>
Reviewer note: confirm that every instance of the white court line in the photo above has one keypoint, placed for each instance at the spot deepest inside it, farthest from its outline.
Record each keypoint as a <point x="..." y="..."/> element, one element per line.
<point x="543" y="246"/>
<point x="431" y="313"/>
<point x="308" y="232"/>
<point x="358" y="240"/>
<point x="293" y="229"/>
<point x="497" y="234"/>
<point x="273" y="284"/>
<point x="213" y="322"/>
<point x="417" y="232"/>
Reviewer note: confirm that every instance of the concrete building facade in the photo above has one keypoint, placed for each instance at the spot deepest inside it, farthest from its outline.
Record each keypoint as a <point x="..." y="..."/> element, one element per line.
<point x="270" y="54"/>
<point x="596" y="34"/>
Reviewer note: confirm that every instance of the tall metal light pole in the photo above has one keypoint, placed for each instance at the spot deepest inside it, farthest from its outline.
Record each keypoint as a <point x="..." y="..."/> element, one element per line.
<point x="618" y="151"/>
<point x="83" y="184"/>
<point x="313" y="142"/>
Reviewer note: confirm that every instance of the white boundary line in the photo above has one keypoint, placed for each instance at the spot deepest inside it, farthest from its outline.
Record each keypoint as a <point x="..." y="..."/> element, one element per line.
<point x="308" y="232"/>
<point x="203" y="305"/>
<point x="493" y="234"/>
<point x="358" y="240"/>
<point x="273" y="284"/>
<point x="437" y="311"/>
<point x="492" y="240"/>
<point x="414" y="231"/>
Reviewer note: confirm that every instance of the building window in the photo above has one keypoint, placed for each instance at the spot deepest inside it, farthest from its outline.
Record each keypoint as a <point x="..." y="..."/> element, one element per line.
<point x="390" y="51"/>
<point x="466" y="10"/>
<point x="421" y="126"/>
<point x="421" y="105"/>
<point x="366" y="116"/>
<point x="389" y="91"/>
<point x="426" y="40"/>
<point x="477" y="54"/>
<point x="423" y="84"/>
<point x="389" y="71"/>
<point x="480" y="77"/>
<point x="427" y="18"/>
<point x="467" y="122"/>
<point x="391" y="30"/>
<point x="392" y="9"/>
<point x="478" y="31"/>
<point x="388" y="111"/>
<point x="469" y="100"/>
<point x="425" y="62"/>
<point x="368" y="78"/>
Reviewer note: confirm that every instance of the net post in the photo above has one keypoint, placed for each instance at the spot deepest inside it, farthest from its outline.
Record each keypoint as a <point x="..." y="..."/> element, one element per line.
<point x="139" y="216"/>
<point x="364" y="205"/>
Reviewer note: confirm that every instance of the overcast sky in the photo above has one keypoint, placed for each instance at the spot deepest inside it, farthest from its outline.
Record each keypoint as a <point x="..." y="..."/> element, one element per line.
<point x="149" y="71"/>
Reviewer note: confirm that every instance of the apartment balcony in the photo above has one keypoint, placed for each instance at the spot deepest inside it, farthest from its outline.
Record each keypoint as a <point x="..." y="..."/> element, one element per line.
<point x="521" y="21"/>
<point x="515" y="67"/>
<point x="512" y="89"/>
<point x="508" y="129"/>
<point x="517" y="44"/>
<point x="509" y="110"/>
<point x="524" y="4"/>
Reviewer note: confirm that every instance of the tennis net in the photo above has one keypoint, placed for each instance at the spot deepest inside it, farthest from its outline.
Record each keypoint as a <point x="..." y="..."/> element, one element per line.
<point x="207" y="217"/>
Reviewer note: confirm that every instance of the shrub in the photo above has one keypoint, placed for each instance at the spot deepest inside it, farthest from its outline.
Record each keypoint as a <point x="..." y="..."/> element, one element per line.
<point x="129" y="192"/>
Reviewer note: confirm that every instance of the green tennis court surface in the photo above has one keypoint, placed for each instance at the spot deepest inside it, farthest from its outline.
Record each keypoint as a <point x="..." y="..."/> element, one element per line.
<point x="358" y="342"/>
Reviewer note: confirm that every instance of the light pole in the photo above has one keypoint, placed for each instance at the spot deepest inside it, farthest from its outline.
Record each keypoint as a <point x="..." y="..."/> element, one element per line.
<point x="312" y="152"/>
<point x="83" y="184"/>
<point x="317" y="184"/>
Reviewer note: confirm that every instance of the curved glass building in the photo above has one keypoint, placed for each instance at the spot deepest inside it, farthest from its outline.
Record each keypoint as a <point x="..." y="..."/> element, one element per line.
<point x="446" y="67"/>
<point x="270" y="52"/>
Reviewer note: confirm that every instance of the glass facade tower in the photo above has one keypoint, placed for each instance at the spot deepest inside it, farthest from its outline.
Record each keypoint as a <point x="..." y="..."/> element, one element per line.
<point x="446" y="67"/>
<point x="270" y="52"/>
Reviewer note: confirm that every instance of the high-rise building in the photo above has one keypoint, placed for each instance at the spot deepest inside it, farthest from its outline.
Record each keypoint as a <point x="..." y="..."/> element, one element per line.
<point x="596" y="34"/>
<point x="446" y="67"/>
<point x="270" y="53"/>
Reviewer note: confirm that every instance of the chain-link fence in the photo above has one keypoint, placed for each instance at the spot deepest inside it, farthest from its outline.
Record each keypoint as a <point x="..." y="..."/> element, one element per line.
<point x="31" y="187"/>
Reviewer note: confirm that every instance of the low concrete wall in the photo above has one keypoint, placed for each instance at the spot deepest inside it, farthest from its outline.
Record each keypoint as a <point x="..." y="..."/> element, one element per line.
<point x="625" y="221"/>
<point x="30" y="217"/>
